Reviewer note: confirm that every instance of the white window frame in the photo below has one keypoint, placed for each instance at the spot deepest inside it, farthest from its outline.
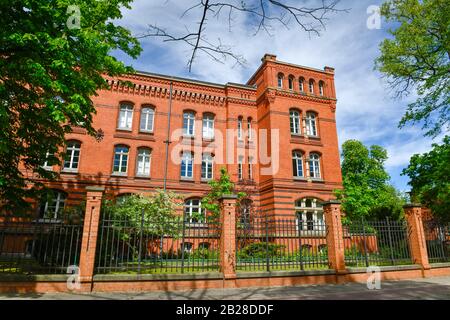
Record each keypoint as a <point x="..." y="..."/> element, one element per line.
<point x="249" y="129"/>
<point x="189" y="123"/>
<point x="239" y="124"/>
<point x="311" y="87"/>
<point x="297" y="157"/>
<point x="186" y="162"/>
<point x="321" y="88"/>
<point x="250" y="168"/>
<point x="241" y="168"/>
<point x="143" y="162"/>
<point x="301" y="85"/>
<point x="123" y="157"/>
<point x="291" y="83"/>
<point x="73" y="147"/>
<point x="207" y="167"/>
<point x="295" y="122"/>
<point x="314" y="166"/>
<point x="125" y="117"/>
<point x="208" y="126"/>
<point x="315" y="210"/>
<point x="280" y="81"/>
<point x="147" y="120"/>
<point x="58" y="202"/>
<point x="311" y="124"/>
<point x="46" y="166"/>
<point x="189" y="209"/>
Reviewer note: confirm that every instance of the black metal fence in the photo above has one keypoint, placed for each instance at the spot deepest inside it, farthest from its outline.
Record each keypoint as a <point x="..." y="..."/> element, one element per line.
<point x="138" y="244"/>
<point x="380" y="243"/>
<point x="437" y="237"/>
<point x="39" y="246"/>
<point x="269" y="242"/>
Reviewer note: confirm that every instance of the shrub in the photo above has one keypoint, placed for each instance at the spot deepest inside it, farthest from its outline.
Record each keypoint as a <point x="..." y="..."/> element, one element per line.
<point x="260" y="250"/>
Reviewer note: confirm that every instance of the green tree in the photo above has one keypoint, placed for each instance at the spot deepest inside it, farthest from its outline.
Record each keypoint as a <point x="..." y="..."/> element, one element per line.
<point x="418" y="57"/>
<point x="429" y="175"/>
<point x="366" y="191"/>
<point x="49" y="70"/>
<point x="220" y="187"/>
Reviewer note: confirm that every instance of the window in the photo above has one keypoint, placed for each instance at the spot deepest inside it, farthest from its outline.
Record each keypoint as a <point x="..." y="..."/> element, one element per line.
<point x="291" y="83"/>
<point x="46" y="165"/>
<point x="193" y="212"/>
<point x="208" y="126"/>
<point x="72" y="156"/>
<point x="311" y="86"/>
<point x="147" y="119"/>
<point x="207" y="167"/>
<point x="204" y="245"/>
<point x="309" y="213"/>
<point x="297" y="164"/>
<point x="240" y="120"/>
<point x="301" y="83"/>
<point x="295" y="121"/>
<point x="188" y="123"/>
<point x="186" y="165"/>
<point x="143" y="162"/>
<point x="314" y="165"/>
<point x="122" y="198"/>
<point x="120" y="159"/>
<point x="321" y="88"/>
<point x="125" y="117"/>
<point x="245" y="210"/>
<point x="249" y="129"/>
<point x="240" y="168"/>
<point x="280" y="80"/>
<point x="52" y="205"/>
<point x="187" y="247"/>
<point x="311" y="128"/>
<point x="250" y="168"/>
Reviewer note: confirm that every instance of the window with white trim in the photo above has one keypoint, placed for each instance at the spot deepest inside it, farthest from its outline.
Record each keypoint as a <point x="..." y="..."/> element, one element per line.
<point x="314" y="165"/>
<point x="125" y="117"/>
<point x="147" y="119"/>
<point x="321" y="88"/>
<point x="53" y="205"/>
<point x="297" y="164"/>
<point x="311" y="125"/>
<point x="120" y="159"/>
<point x="280" y="80"/>
<point x="193" y="211"/>
<point x="241" y="167"/>
<point x="301" y="84"/>
<point x="188" y="123"/>
<point x="240" y="120"/>
<point x="294" y="116"/>
<point x="311" y="86"/>
<point x="46" y="166"/>
<point x="309" y="214"/>
<point x="208" y="126"/>
<point x="143" y="162"/>
<point x="249" y="129"/>
<point x="250" y="168"/>
<point x="72" y="156"/>
<point x="187" y="165"/>
<point x="207" y="166"/>
<point x="291" y="83"/>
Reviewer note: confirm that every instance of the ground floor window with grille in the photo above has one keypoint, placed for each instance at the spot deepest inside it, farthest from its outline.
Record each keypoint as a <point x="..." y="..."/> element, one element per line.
<point x="193" y="211"/>
<point x="309" y="214"/>
<point x="52" y="205"/>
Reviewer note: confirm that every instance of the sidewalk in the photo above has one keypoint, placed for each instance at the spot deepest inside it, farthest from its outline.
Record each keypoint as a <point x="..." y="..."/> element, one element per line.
<point x="423" y="289"/>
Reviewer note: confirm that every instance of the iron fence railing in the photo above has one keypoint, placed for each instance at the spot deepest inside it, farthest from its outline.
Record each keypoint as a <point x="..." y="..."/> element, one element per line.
<point x="39" y="246"/>
<point x="380" y="243"/>
<point x="437" y="238"/>
<point x="151" y="245"/>
<point x="270" y="242"/>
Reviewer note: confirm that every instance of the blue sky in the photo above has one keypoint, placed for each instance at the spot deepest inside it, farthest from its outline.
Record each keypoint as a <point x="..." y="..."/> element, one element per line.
<point x="366" y="109"/>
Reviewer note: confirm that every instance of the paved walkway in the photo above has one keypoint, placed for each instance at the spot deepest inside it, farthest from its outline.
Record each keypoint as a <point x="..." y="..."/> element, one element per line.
<point x="425" y="289"/>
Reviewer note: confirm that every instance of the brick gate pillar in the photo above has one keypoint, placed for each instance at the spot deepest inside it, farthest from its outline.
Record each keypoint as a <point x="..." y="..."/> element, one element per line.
<point x="228" y="236"/>
<point x="89" y="240"/>
<point x="335" y="239"/>
<point x="419" y="255"/>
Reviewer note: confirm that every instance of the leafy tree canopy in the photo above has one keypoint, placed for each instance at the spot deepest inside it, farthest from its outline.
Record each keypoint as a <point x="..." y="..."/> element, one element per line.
<point x="429" y="175"/>
<point x="49" y="70"/>
<point x="418" y="57"/>
<point x="366" y="191"/>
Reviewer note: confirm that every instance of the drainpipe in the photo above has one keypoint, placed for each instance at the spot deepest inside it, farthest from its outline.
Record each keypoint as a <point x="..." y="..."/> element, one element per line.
<point x="167" y="142"/>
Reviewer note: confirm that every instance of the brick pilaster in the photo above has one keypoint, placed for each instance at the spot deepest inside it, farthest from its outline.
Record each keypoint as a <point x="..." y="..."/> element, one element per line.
<point x="413" y="214"/>
<point x="90" y="231"/>
<point x="228" y="236"/>
<point x="335" y="240"/>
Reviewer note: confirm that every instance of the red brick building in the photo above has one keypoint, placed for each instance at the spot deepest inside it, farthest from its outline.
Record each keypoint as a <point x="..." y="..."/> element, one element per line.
<point x="294" y="105"/>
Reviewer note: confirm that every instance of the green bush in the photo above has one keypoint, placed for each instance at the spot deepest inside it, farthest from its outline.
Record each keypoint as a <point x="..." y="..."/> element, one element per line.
<point x="260" y="250"/>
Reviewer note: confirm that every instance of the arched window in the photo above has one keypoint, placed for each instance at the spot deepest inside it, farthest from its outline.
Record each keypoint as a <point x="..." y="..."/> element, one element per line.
<point x="188" y="123"/>
<point x="204" y="245"/>
<point x="147" y="119"/>
<point x="280" y="80"/>
<point x="291" y="82"/>
<point x="311" y="86"/>
<point x="241" y="167"/>
<point x="72" y="156"/>
<point x="143" y="162"/>
<point x="207" y="166"/>
<point x="295" y="121"/>
<point x="245" y="212"/>
<point x="314" y="165"/>
<point x="249" y="129"/>
<point x="301" y="84"/>
<point x="297" y="164"/>
<point x="52" y="204"/>
<point x="311" y="125"/>
<point x="125" y="117"/>
<point x="240" y="123"/>
<point x="250" y="168"/>
<point x="321" y="85"/>
<point x="208" y="126"/>
<point x="187" y="165"/>
<point x="120" y="165"/>
<point x="309" y="213"/>
<point x="193" y="212"/>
